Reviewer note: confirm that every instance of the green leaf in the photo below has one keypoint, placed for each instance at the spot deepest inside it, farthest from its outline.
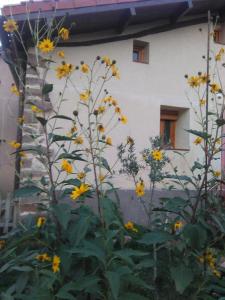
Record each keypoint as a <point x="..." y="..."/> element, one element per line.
<point x="195" y="235"/>
<point x="42" y="121"/>
<point x="47" y="88"/>
<point x="182" y="277"/>
<point x="70" y="156"/>
<point x="104" y="163"/>
<point x="132" y="296"/>
<point x="145" y="264"/>
<point x="155" y="237"/>
<point x="89" y="281"/>
<point x="63" y="293"/>
<point x="201" y="134"/>
<point x="21" y="282"/>
<point x="90" y="248"/>
<point x="114" y="283"/>
<point x="63" y="214"/>
<point x="60" y="138"/>
<point x="175" y="204"/>
<point x="27" y="191"/>
<point x="61" y="117"/>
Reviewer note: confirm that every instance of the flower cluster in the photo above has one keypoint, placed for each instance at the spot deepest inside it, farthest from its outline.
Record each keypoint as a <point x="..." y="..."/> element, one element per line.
<point x="130" y="226"/>
<point x="210" y="260"/>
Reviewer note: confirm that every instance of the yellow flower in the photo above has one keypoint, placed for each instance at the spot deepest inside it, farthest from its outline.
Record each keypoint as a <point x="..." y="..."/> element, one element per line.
<point x="117" y="110"/>
<point x="84" y="68"/>
<point x="218" y="57"/>
<point x="84" y="96"/>
<point x="178" y="225"/>
<point x="130" y="226"/>
<point x="203" y="78"/>
<point x="46" y="46"/>
<point x="35" y="109"/>
<point x="14" y="89"/>
<point x="198" y="140"/>
<point x="56" y="263"/>
<point x="81" y="175"/>
<point x="202" y="102"/>
<point x="115" y="72"/>
<point x="101" y="177"/>
<point x="217" y="273"/>
<point x="64" y="33"/>
<point x="123" y="119"/>
<point x="10" y="26"/>
<point x="108" y="141"/>
<point x="43" y="257"/>
<point x="21" y="120"/>
<point x="217" y="173"/>
<point x="2" y="244"/>
<point x="14" y="144"/>
<point x="66" y="166"/>
<point x="79" y="140"/>
<point x="157" y="155"/>
<point x="106" y="60"/>
<point x="218" y="141"/>
<point x="101" y="128"/>
<point x="22" y="154"/>
<point x="79" y="191"/>
<point x="101" y="109"/>
<point x="61" y="54"/>
<point x="215" y="88"/>
<point x="107" y="99"/>
<point x="194" y="81"/>
<point x="114" y="102"/>
<point x="64" y="70"/>
<point x="140" y="189"/>
<point x="40" y="222"/>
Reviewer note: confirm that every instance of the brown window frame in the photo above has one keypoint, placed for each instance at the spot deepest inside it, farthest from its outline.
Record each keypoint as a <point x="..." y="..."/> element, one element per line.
<point x="216" y="35"/>
<point x="142" y="48"/>
<point x="171" y="116"/>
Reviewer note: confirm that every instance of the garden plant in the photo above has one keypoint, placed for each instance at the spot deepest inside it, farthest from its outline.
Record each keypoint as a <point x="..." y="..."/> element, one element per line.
<point x="71" y="251"/>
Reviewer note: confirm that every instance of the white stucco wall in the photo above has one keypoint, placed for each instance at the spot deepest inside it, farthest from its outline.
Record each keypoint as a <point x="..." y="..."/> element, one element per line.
<point x="8" y="128"/>
<point x="144" y="87"/>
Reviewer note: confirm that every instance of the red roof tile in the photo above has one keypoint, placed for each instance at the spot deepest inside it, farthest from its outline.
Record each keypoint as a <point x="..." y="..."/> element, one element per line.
<point x="48" y="5"/>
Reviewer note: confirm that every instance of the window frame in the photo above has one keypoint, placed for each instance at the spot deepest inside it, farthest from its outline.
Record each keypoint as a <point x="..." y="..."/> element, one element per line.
<point x="171" y="116"/>
<point x="142" y="48"/>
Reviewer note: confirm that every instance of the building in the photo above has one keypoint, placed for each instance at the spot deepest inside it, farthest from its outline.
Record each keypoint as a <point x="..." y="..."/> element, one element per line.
<point x="155" y="43"/>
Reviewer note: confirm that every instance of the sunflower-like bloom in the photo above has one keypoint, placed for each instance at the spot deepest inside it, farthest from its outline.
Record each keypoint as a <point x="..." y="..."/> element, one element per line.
<point x="10" y="26"/>
<point x="14" y="144"/>
<point x="61" y="54"/>
<point x="178" y="225"/>
<point x="115" y="72"/>
<point x="79" y="140"/>
<point x="101" y="128"/>
<point x="194" y="81"/>
<point x="56" y="263"/>
<point x="46" y="46"/>
<point x="130" y="226"/>
<point x="64" y="70"/>
<point x="40" y="222"/>
<point x="215" y="88"/>
<point x="202" y="102"/>
<point x="117" y="110"/>
<point x="101" y="109"/>
<point x="84" y="96"/>
<point x="35" y="109"/>
<point x="106" y="60"/>
<point x="123" y="119"/>
<point x="79" y="191"/>
<point x="157" y="155"/>
<point x="198" y="140"/>
<point x="85" y="68"/>
<point x="64" y="33"/>
<point x="43" y="257"/>
<point x="217" y="173"/>
<point x="108" y="141"/>
<point x="66" y="166"/>
<point x="14" y="89"/>
<point x="140" y="189"/>
<point x="81" y="175"/>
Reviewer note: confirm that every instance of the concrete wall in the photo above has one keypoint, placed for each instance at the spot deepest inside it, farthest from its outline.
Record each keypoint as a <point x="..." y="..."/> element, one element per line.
<point x="8" y="127"/>
<point x="143" y="88"/>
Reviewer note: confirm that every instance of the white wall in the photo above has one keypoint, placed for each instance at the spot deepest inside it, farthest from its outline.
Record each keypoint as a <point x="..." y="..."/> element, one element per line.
<point x="144" y="87"/>
<point x="8" y="126"/>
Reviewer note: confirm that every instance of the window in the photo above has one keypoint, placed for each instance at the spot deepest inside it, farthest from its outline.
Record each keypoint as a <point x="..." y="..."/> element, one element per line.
<point x="140" y="52"/>
<point x="173" y="122"/>
<point x="219" y="34"/>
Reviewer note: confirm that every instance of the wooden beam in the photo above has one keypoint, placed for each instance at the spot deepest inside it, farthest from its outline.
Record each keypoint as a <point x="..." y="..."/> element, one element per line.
<point x="125" y="20"/>
<point x="182" y="11"/>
